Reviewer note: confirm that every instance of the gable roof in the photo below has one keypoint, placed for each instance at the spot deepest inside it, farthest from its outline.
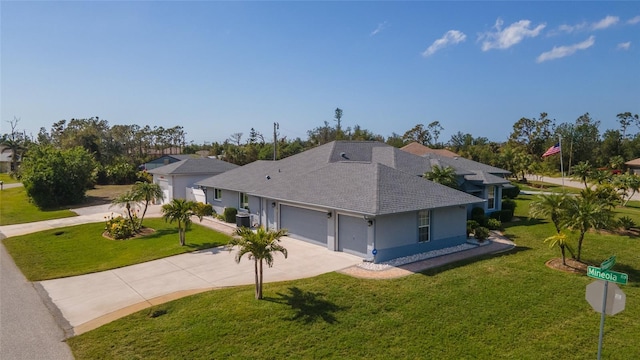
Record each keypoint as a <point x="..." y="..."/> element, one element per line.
<point x="460" y="162"/>
<point x="634" y="162"/>
<point x="194" y="166"/>
<point x="365" y="177"/>
<point x="421" y="150"/>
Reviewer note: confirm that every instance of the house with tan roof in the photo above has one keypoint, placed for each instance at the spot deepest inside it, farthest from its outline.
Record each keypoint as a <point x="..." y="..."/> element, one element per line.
<point x="633" y="166"/>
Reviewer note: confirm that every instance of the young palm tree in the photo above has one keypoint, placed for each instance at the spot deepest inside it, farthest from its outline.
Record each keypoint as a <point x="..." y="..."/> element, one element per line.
<point x="582" y="172"/>
<point x="127" y="200"/>
<point x="260" y="246"/>
<point x="146" y="192"/>
<point x="551" y="206"/>
<point x="559" y="240"/>
<point x="180" y="211"/>
<point x="442" y="175"/>
<point x="585" y="213"/>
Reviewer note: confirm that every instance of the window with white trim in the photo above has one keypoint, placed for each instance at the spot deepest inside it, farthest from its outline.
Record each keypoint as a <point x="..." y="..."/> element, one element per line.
<point x="217" y="194"/>
<point x="244" y="201"/>
<point x="491" y="197"/>
<point x="424" y="222"/>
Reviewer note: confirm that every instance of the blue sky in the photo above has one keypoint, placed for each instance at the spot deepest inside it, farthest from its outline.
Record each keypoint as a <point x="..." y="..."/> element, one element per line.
<point x="218" y="68"/>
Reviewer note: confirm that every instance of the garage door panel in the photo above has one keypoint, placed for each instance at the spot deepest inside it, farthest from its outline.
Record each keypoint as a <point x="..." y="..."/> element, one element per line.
<point x="304" y="224"/>
<point x="352" y="234"/>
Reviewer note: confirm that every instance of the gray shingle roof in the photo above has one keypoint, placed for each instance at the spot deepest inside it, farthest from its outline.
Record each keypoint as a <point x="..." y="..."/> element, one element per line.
<point x="364" y="177"/>
<point x="194" y="166"/>
<point x="466" y="164"/>
<point x="486" y="178"/>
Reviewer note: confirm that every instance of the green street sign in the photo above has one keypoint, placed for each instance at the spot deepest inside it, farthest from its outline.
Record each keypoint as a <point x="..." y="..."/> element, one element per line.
<point x="608" y="264"/>
<point x="613" y="276"/>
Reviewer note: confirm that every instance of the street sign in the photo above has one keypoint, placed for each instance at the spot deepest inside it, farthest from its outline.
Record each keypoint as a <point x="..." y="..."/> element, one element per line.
<point x="608" y="264"/>
<point x="613" y="276"/>
<point x="615" y="302"/>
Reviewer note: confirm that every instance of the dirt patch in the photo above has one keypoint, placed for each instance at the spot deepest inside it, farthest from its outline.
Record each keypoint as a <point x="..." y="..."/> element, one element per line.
<point x="142" y="232"/>
<point x="572" y="266"/>
<point x="102" y="194"/>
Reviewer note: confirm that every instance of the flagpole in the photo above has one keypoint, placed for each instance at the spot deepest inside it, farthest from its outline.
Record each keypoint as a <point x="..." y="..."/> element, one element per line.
<point x="561" y="165"/>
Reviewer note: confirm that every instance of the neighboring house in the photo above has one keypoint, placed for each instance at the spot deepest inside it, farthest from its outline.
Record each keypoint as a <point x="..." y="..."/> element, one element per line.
<point x="5" y="159"/>
<point x="421" y="150"/>
<point x="633" y="166"/>
<point x="175" y="178"/>
<point x="364" y="198"/>
<point x="166" y="160"/>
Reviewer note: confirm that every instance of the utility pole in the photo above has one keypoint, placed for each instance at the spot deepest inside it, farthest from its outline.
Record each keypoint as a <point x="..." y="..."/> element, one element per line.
<point x="276" y="126"/>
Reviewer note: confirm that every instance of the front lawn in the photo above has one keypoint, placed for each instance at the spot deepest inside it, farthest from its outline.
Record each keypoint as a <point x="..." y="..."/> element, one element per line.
<point x="15" y="208"/>
<point x="7" y="179"/>
<point x="81" y="249"/>
<point x="508" y="306"/>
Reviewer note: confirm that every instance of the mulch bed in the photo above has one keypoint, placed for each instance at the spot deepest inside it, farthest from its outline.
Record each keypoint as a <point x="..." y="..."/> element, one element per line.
<point x="572" y="266"/>
<point x="142" y="232"/>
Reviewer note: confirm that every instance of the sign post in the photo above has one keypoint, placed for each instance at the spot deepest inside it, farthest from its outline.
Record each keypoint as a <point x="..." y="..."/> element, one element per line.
<point x="616" y="303"/>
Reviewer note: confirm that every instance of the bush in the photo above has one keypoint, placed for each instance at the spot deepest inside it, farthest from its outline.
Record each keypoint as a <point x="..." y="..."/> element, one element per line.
<point x="626" y="222"/>
<point x="494" y="224"/>
<point x="471" y="226"/>
<point x="230" y="214"/>
<point x="477" y="214"/>
<point x="481" y="233"/>
<point x="508" y="204"/>
<point x="203" y="209"/>
<point x="511" y="193"/>
<point x="119" y="228"/>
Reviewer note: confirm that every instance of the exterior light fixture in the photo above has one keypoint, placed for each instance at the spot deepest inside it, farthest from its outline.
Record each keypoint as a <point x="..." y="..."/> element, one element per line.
<point x="273" y="204"/>
<point x="329" y="215"/>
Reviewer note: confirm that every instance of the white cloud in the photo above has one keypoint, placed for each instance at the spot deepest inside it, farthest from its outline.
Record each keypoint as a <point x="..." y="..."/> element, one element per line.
<point x="512" y="35"/>
<point x="561" y="51"/>
<point x="605" y="23"/>
<point x="451" y="37"/>
<point x="572" y="28"/>
<point x="634" y="20"/>
<point x="624" y="46"/>
<point x="379" y="29"/>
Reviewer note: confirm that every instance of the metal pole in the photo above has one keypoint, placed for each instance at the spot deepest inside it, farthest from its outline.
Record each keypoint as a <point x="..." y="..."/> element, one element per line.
<point x="275" y="139"/>
<point x="604" y="309"/>
<point x="561" y="165"/>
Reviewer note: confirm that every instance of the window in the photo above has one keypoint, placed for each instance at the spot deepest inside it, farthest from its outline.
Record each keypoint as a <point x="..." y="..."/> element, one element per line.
<point x="491" y="197"/>
<point x="244" y="201"/>
<point x="424" y="221"/>
<point x="217" y="194"/>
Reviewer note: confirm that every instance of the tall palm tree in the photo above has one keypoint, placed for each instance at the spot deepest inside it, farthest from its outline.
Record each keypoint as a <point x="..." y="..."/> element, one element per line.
<point x="180" y="211"/>
<point x="146" y="192"/>
<point x="585" y="213"/>
<point x="581" y="172"/>
<point x="260" y="246"/>
<point x="444" y="175"/>
<point x="549" y="205"/>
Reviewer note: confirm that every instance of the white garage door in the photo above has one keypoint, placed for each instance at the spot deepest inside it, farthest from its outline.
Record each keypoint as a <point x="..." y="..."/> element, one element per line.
<point x="304" y="224"/>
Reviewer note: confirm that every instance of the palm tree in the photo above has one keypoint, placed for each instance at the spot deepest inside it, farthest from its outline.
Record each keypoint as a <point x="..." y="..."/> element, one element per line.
<point x="146" y="192"/>
<point x="584" y="213"/>
<point x="582" y="172"/>
<point x="549" y="205"/>
<point x="260" y="245"/>
<point x="127" y="200"/>
<point x="444" y="175"/>
<point x="559" y="240"/>
<point x="626" y="183"/>
<point x="180" y="211"/>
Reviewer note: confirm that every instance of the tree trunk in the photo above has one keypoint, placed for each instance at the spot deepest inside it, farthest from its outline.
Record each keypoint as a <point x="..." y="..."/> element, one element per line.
<point x="255" y="270"/>
<point x="580" y="245"/>
<point x="563" y="256"/>
<point x="260" y="287"/>
<point x="181" y="234"/>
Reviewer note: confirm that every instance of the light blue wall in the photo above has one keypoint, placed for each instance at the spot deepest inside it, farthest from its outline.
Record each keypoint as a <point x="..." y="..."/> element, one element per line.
<point x="397" y="235"/>
<point x="229" y="199"/>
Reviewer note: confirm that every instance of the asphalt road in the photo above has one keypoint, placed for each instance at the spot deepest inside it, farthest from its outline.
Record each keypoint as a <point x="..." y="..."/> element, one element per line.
<point x="28" y="329"/>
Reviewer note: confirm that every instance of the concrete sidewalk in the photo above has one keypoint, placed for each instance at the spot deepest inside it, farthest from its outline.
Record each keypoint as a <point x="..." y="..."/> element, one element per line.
<point x="568" y="182"/>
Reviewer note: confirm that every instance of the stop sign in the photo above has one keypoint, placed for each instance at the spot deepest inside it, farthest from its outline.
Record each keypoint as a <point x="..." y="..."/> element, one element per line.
<point x="615" y="297"/>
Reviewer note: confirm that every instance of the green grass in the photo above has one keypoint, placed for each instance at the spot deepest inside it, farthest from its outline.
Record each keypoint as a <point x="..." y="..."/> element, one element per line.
<point x="508" y="306"/>
<point x="82" y="249"/>
<point x="7" y="179"/>
<point x="15" y="208"/>
<point x="543" y="186"/>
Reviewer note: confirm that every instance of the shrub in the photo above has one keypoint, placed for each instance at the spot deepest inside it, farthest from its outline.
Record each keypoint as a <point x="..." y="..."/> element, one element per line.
<point x="230" y="214"/>
<point x="203" y="209"/>
<point x="119" y="228"/>
<point x="506" y="215"/>
<point x="494" y="224"/>
<point x="511" y="193"/>
<point x="481" y="233"/>
<point x="471" y="226"/>
<point x="508" y="204"/>
<point x="626" y="222"/>
<point x="477" y="214"/>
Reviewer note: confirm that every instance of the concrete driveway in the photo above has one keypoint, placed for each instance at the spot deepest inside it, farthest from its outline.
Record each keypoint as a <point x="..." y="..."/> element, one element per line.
<point x="91" y="300"/>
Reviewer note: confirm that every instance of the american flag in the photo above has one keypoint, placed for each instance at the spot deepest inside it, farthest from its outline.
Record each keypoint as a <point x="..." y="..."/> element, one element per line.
<point x="552" y="150"/>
